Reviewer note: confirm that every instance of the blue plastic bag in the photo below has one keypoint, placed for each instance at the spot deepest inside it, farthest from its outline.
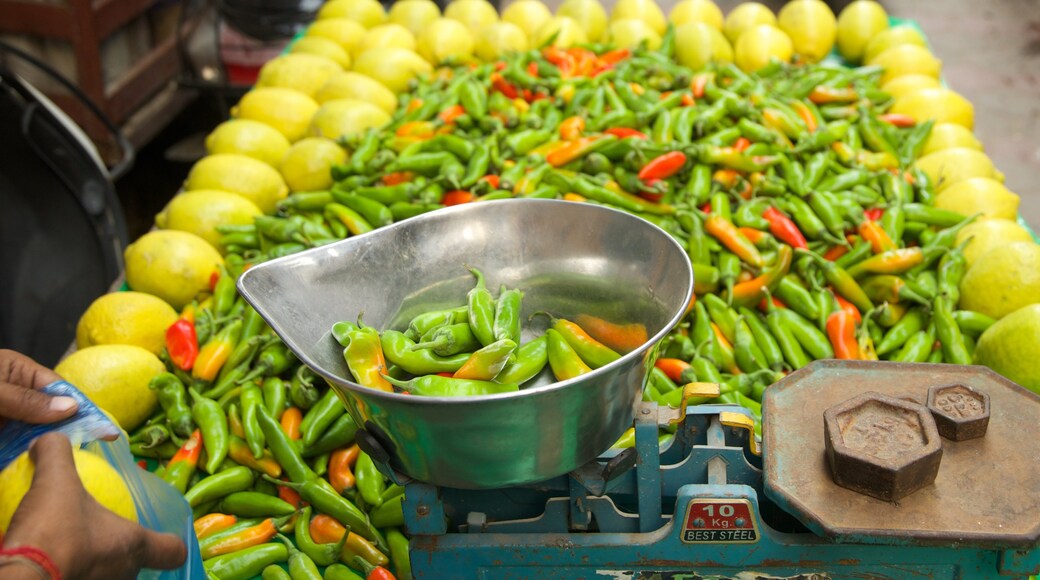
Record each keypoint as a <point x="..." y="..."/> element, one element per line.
<point x="160" y="507"/>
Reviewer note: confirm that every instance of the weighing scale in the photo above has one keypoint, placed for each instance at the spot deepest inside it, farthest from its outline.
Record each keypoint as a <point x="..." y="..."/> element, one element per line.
<point x="714" y="504"/>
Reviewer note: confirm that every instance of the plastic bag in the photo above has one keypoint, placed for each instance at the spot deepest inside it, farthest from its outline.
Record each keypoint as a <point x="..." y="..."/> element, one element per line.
<point x="159" y="506"/>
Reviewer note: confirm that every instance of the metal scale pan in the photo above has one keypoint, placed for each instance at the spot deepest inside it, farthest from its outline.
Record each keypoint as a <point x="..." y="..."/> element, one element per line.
<point x="986" y="492"/>
<point x="568" y="258"/>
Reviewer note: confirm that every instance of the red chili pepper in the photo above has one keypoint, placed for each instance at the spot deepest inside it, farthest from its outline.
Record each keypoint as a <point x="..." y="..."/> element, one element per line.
<point x="901" y="121"/>
<point x="741" y="144"/>
<point x="182" y="344"/>
<point x="673" y="367"/>
<point x="492" y="179"/>
<point x="849" y="307"/>
<point x="625" y="132"/>
<point x="532" y="68"/>
<point x="500" y="65"/>
<point x="457" y="196"/>
<point x="500" y="84"/>
<point x="654" y="196"/>
<point x="213" y="280"/>
<point x="841" y="330"/>
<point x="290" y="496"/>
<point x="398" y="177"/>
<point x="784" y="228"/>
<point x="874" y="213"/>
<point x="663" y="166"/>
<point x="687" y="100"/>
<point x="451" y="113"/>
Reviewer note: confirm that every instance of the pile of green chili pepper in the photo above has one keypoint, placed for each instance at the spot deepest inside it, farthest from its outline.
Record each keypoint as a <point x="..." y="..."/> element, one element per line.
<point x="811" y="234"/>
<point x="470" y="350"/>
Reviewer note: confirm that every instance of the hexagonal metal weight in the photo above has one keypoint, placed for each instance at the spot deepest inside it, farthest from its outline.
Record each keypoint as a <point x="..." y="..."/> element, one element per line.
<point x="882" y="446"/>
<point x="960" y="412"/>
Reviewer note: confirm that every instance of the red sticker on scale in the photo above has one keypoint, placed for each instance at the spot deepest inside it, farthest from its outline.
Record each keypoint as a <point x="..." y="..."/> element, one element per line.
<point x="719" y="521"/>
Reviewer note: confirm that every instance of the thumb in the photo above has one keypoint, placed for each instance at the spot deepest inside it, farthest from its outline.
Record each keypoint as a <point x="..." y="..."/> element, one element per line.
<point x="32" y="406"/>
<point x="51" y="454"/>
<point x="161" y="551"/>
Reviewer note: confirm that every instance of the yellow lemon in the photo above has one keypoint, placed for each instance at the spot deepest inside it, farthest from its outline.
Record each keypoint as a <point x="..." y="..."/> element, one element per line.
<point x="474" y="14"/>
<point x="308" y="164"/>
<point x="759" y="45"/>
<point x="499" y="39"/>
<point x="353" y="85"/>
<point x="248" y="137"/>
<point x="646" y="10"/>
<point x="367" y="13"/>
<point x="445" y="38"/>
<point x="300" y="71"/>
<point x="414" y="14"/>
<point x="133" y="318"/>
<point x="589" y="14"/>
<point x="115" y="377"/>
<point x="1003" y="280"/>
<point x="529" y="15"/>
<point x="858" y="23"/>
<point x="811" y="26"/>
<point x="172" y="265"/>
<point x="345" y="32"/>
<point x="630" y="33"/>
<point x="939" y="105"/>
<point x="318" y="46"/>
<point x="344" y="117"/>
<point x="100" y="479"/>
<point x="982" y="235"/>
<point x="286" y="110"/>
<point x="201" y="211"/>
<point x="979" y="195"/>
<point x="949" y="166"/>
<point x="704" y="11"/>
<point x="907" y="59"/>
<point x="697" y="44"/>
<point x="393" y="67"/>
<point x="906" y="84"/>
<point x="948" y="136"/>
<point x="387" y="36"/>
<point x="746" y="15"/>
<point x="894" y="36"/>
<point x="562" y="31"/>
<point x="254" y="180"/>
<point x="1010" y="347"/>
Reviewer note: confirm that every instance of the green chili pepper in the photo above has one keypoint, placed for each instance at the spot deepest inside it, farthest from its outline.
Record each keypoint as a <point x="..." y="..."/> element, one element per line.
<point x="531" y="357"/>
<point x="826" y="207"/>
<point x="954" y="349"/>
<point x="807" y="334"/>
<point x="764" y="339"/>
<point x="246" y="564"/>
<point x="374" y="212"/>
<point x="427" y="321"/>
<point x="274" y="395"/>
<point x="890" y="288"/>
<point x="910" y="324"/>
<point x="252" y="504"/>
<point x="173" y="399"/>
<point x="301" y="566"/>
<point x="438" y="386"/>
<point x="398" y="350"/>
<point x="748" y="355"/>
<point x="212" y="421"/>
<point x="274" y="572"/>
<point x="322" y="554"/>
<point x="972" y="323"/>
<point x="563" y="359"/>
<point x="841" y="280"/>
<point x="339" y="434"/>
<point x="302" y="391"/>
<point x="449" y="340"/>
<point x="251" y="397"/>
<point x="274" y="359"/>
<point x="370" y="482"/>
<point x="932" y="215"/>
<point x="797" y="297"/>
<point x="325" y="412"/>
<point x="219" y="485"/>
<point x="481" y="313"/>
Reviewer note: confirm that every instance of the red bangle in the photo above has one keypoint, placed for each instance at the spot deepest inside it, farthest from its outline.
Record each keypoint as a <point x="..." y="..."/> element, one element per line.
<point x="34" y="555"/>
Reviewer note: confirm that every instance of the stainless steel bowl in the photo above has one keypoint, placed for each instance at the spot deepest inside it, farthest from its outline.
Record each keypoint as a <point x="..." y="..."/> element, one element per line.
<point x="568" y="258"/>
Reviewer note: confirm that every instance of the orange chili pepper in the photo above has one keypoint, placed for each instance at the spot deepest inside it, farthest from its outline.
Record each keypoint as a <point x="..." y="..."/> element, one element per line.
<point x="340" y="464"/>
<point x="848" y="307"/>
<point x="532" y="68"/>
<point x="451" y="113"/>
<point x="573" y="197"/>
<point x="419" y="129"/>
<point x="637" y="88"/>
<point x="212" y="523"/>
<point x="620" y="337"/>
<point x="699" y="84"/>
<point x="455" y="197"/>
<point x="572" y="127"/>
<point x="247" y="538"/>
<point x="398" y="177"/>
<point x="726" y="177"/>
<point x="742" y="144"/>
<point x="492" y="179"/>
<point x="901" y="121"/>
<point x="290" y="496"/>
<point x="835" y="252"/>
<point x="841" y="330"/>
<point x="752" y="234"/>
<point x="673" y="367"/>
<point x="615" y="56"/>
<point x="239" y="452"/>
<point x="764" y="306"/>
<point x="326" y="530"/>
<point x="805" y="115"/>
<point x="568" y="151"/>
<point x="729" y="236"/>
<point x="500" y="84"/>
<point x="687" y="100"/>
<point x="726" y="346"/>
<point x="879" y="240"/>
<point x="290" y="421"/>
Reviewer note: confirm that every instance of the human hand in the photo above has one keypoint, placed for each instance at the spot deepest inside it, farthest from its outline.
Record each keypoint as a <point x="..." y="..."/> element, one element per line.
<point x="21" y="379"/>
<point x="83" y="539"/>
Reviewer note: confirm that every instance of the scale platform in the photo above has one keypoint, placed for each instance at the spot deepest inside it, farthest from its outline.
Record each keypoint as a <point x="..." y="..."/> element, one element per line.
<point x="706" y="505"/>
